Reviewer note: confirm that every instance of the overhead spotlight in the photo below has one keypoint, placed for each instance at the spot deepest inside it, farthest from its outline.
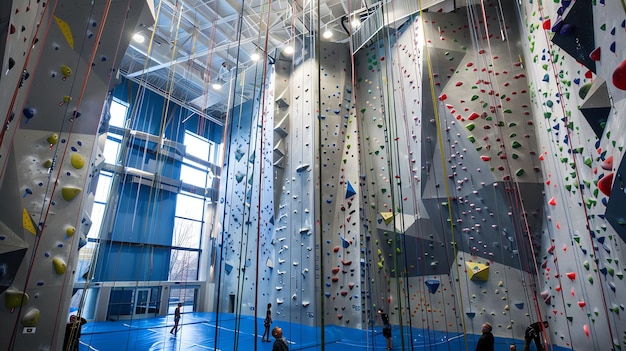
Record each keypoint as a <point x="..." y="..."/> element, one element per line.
<point x="288" y="50"/>
<point x="139" y="38"/>
<point x="327" y="34"/>
<point x="217" y="86"/>
<point x="255" y="56"/>
<point x="356" y="22"/>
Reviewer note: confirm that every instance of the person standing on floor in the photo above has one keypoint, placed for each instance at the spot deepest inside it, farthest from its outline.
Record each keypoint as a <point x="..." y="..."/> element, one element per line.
<point x="486" y="341"/>
<point x="72" y="333"/>
<point x="280" y="344"/>
<point x="533" y="332"/>
<point x="176" y="319"/>
<point x="267" y="322"/>
<point x="386" y="327"/>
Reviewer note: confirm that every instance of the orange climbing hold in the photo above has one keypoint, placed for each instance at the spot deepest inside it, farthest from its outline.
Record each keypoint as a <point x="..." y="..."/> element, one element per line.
<point x="607" y="164"/>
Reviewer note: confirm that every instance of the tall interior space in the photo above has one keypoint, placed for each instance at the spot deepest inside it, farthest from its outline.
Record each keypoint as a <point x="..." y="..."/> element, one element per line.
<point x="449" y="162"/>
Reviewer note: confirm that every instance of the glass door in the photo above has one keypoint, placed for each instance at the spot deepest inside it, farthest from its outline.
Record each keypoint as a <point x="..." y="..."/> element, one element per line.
<point x="142" y="307"/>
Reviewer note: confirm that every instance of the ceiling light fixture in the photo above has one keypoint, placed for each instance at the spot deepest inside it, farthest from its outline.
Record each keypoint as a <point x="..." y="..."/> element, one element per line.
<point x="139" y="38"/>
<point x="327" y="34"/>
<point x="255" y="56"/>
<point x="289" y="50"/>
<point x="217" y="86"/>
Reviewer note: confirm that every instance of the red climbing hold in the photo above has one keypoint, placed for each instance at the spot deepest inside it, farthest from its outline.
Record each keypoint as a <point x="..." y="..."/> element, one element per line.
<point x="485" y="158"/>
<point x="619" y="76"/>
<point x="547" y="24"/>
<point x="473" y="116"/>
<point x="571" y="275"/>
<point x="595" y="54"/>
<point x="552" y="202"/>
<point x="443" y="97"/>
<point x="605" y="184"/>
<point x="607" y="164"/>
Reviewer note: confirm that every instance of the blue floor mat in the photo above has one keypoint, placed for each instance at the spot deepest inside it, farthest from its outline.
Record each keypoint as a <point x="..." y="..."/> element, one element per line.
<point x="210" y="331"/>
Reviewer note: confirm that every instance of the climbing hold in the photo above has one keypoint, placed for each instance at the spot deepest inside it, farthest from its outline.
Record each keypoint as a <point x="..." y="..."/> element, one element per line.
<point x="70" y="230"/>
<point x="14" y="298"/>
<point x="552" y="202"/>
<point x="70" y="192"/>
<point x="28" y="223"/>
<point x="607" y="164"/>
<point x="31" y="318"/>
<point x="571" y="275"/>
<point x="387" y="217"/>
<point x="47" y="163"/>
<point x="59" y="265"/>
<point x="584" y="90"/>
<point x="619" y="76"/>
<point x="477" y="271"/>
<point x="66" y="31"/>
<point x="350" y="190"/>
<point x="605" y="184"/>
<point x="53" y="139"/>
<point x="77" y="160"/>
<point x="432" y="285"/>
<point x="66" y="71"/>
<point x="595" y="54"/>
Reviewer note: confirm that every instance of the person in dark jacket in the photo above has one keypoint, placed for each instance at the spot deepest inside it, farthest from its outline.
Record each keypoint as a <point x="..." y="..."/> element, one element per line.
<point x="280" y="344"/>
<point x="386" y="327"/>
<point x="72" y="333"/>
<point x="533" y="332"/>
<point x="486" y="341"/>
<point x="267" y="322"/>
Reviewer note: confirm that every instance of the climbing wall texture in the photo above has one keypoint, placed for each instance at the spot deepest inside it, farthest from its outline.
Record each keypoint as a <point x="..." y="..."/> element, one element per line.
<point x="574" y="53"/>
<point x="47" y="157"/>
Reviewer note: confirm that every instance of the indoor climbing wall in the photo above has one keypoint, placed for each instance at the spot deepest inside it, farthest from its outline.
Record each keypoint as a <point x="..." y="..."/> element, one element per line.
<point x="575" y="53"/>
<point x="444" y="183"/>
<point x="51" y="143"/>
<point x="342" y="273"/>
<point x="19" y="49"/>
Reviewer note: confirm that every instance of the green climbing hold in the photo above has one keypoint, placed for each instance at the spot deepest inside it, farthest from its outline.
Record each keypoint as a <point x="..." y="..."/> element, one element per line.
<point x="470" y="126"/>
<point x="584" y="90"/>
<point x="471" y="138"/>
<point x="519" y="172"/>
<point x="516" y="144"/>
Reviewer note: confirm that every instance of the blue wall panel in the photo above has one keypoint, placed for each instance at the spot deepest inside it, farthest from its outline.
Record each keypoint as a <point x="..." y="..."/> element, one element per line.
<point x="133" y="263"/>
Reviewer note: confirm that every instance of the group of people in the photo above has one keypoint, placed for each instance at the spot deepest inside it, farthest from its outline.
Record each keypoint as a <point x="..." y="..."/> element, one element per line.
<point x="532" y="333"/>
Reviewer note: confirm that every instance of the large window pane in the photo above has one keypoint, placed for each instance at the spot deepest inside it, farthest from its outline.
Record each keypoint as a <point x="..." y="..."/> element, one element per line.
<point x="189" y="207"/>
<point x="104" y="186"/>
<point x="97" y="213"/>
<point x="112" y="148"/>
<point x="196" y="146"/>
<point x="118" y="113"/>
<point x="193" y="176"/>
<point x="186" y="233"/>
<point x="183" y="266"/>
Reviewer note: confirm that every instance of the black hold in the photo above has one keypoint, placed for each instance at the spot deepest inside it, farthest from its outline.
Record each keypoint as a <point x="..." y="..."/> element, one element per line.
<point x="11" y="62"/>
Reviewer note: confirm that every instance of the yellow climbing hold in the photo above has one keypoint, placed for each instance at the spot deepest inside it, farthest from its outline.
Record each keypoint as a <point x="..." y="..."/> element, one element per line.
<point x="48" y="163"/>
<point x="31" y="318"/>
<point x="28" y="223"/>
<point x="14" y="298"/>
<point x="477" y="271"/>
<point x="387" y="217"/>
<point x="77" y="160"/>
<point x="59" y="265"/>
<point x="70" y="230"/>
<point x="66" y="30"/>
<point x="70" y="192"/>
<point x="66" y="71"/>
<point x="53" y="139"/>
